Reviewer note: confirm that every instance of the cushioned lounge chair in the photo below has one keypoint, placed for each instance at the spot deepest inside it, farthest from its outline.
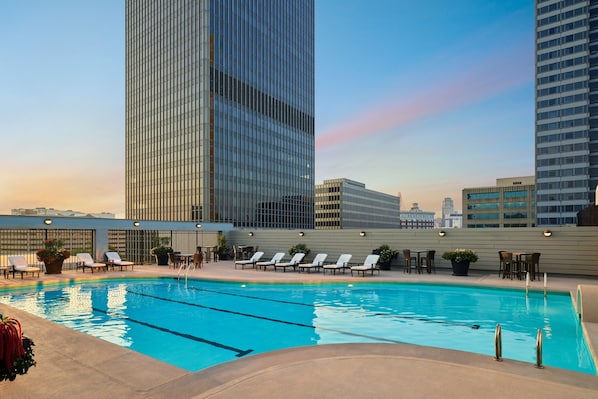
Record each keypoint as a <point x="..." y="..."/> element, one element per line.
<point x="19" y="265"/>
<point x="315" y="264"/>
<point x="294" y="262"/>
<point x="369" y="265"/>
<point x="87" y="262"/>
<point x="249" y="262"/>
<point x="114" y="260"/>
<point x="341" y="264"/>
<point x="275" y="259"/>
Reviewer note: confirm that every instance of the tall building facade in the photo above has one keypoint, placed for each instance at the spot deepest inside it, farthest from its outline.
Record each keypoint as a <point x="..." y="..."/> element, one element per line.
<point x="511" y="203"/>
<point x="347" y="204"/>
<point x="220" y="111"/>
<point x="566" y="108"/>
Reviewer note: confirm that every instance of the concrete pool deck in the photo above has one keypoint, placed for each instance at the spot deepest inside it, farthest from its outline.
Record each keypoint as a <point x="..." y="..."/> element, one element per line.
<point x="73" y="364"/>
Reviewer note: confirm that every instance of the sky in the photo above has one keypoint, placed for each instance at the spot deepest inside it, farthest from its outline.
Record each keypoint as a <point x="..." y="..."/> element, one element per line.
<point x="419" y="98"/>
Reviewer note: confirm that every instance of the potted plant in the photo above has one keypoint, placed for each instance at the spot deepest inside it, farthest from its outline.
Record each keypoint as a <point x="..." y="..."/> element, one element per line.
<point x="162" y="251"/>
<point x="223" y="250"/>
<point x="53" y="255"/>
<point x="386" y="256"/>
<point x="460" y="259"/>
<point x="299" y="248"/>
<point x="16" y="351"/>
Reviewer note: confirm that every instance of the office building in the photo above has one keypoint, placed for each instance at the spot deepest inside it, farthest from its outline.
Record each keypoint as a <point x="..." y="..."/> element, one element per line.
<point x="220" y="112"/>
<point x="347" y="204"/>
<point x="416" y="218"/>
<point x="511" y="203"/>
<point x="566" y="108"/>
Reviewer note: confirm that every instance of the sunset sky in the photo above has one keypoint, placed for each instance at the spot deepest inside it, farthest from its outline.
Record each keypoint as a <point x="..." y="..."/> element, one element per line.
<point x="423" y="98"/>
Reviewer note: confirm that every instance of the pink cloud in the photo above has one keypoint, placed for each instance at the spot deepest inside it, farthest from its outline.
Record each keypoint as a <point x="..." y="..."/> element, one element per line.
<point x="501" y="72"/>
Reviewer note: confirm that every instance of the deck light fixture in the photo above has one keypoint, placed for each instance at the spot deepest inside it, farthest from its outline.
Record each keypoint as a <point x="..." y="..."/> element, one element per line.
<point x="48" y="221"/>
<point x="362" y="233"/>
<point x="198" y="226"/>
<point x="547" y="233"/>
<point x="301" y="234"/>
<point x="442" y="233"/>
<point x="136" y="223"/>
<point x="251" y="234"/>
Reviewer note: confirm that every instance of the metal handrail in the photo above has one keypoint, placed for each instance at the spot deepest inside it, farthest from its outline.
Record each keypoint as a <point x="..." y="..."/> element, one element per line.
<point x="539" y="349"/>
<point x="498" y="343"/>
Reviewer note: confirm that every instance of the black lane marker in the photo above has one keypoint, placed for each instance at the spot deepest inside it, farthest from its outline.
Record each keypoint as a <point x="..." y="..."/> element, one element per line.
<point x="240" y="352"/>
<point x="424" y="319"/>
<point x="265" y="318"/>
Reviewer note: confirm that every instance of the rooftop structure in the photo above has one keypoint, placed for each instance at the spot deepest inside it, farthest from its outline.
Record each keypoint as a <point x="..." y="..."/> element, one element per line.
<point x="416" y="218"/>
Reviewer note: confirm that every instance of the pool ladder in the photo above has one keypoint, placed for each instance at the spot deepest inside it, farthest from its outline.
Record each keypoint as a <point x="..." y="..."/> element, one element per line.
<point x="498" y="346"/>
<point x="186" y="267"/>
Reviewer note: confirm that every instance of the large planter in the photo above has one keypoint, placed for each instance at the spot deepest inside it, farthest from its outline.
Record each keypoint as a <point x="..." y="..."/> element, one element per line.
<point x="384" y="265"/>
<point x="460" y="268"/>
<point x="54" y="267"/>
<point x="162" y="260"/>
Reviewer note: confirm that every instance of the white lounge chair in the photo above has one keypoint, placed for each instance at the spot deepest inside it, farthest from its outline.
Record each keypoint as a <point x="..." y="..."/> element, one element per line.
<point x="341" y="264"/>
<point x="87" y="262"/>
<point x="369" y="264"/>
<point x="251" y="261"/>
<point x="294" y="262"/>
<point x="275" y="259"/>
<point x="114" y="260"/>
<point x="315" y="264"/>
<point x="19" y="265"/>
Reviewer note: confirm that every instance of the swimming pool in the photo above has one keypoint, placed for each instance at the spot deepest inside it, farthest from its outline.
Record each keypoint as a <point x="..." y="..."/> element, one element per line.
<point x="205" y="323"/>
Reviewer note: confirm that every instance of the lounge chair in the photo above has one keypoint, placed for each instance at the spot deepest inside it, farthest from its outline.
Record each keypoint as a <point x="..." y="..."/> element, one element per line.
<point x="341" y="264"/>
<point x="114" y="260"/>
<point x="294" y="262"/>
<point x="315" y="264"/>
<point x="87" y="262"/>
<point x="275" y="259"/>
<point x="19" y="265"/>
<point x="251" y="261"/>
<point x="369" y="264"/>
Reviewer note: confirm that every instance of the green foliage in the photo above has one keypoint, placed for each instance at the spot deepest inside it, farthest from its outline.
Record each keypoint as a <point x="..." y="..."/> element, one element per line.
<point x="52" y="251"/>
<point x="461" y="254"/>
<point x="386" y="253"/>
<point x="299" y="248"/>
<point x="162" y="246"/>
<point x="222" y="245"/>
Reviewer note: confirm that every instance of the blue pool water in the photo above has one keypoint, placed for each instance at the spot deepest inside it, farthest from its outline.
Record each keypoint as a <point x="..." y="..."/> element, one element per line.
<point x="207" y="323"/>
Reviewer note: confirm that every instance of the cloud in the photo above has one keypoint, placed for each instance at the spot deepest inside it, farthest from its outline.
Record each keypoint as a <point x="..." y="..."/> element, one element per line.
<point x="503" y="70"/>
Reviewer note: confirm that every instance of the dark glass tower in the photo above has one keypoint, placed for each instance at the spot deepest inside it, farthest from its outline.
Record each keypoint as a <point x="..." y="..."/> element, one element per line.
<point x="220" y="111"/>
<point x="566" y="108"/>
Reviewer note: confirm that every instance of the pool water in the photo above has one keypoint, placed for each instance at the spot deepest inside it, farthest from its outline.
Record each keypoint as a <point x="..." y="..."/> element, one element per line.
<point x="203" y="323"/>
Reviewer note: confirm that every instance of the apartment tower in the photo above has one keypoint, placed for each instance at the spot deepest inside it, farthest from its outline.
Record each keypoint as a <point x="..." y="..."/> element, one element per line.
<point x="566" y="108"/>
<point x="220" y="111"/>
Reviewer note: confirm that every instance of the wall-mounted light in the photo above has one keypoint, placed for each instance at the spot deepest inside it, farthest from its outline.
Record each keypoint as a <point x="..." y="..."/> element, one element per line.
<point x="136" y="223"/>
<point x="547" y="233"/>
<point x="362" y="233"/>
<point x="251" y="234"/>
<point x="301" y="234"/>
<point x="442" y="233"/>
<point x="48" y="221"/>
<point x="198" y="226"/>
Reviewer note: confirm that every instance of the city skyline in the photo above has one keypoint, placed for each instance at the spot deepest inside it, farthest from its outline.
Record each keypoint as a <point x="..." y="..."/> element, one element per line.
<point x="423" y="99"/>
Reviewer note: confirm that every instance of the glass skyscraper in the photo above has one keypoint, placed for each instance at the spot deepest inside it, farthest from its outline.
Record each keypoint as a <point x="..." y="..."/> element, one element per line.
<point x="220" y="111"/>
<point x="566" y="108"/>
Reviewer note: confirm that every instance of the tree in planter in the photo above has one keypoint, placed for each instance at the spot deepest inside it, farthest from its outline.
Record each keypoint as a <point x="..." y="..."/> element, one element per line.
<point x="16" y="351"/>
<point x="223" y="250"/>
<point x="386" y="255"/>
<point x="299" y="248"/>
<point x="162" y="250"/>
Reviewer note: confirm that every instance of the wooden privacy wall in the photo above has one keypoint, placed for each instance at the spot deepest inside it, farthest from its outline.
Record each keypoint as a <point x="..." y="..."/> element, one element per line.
<point x="570" y="250"/>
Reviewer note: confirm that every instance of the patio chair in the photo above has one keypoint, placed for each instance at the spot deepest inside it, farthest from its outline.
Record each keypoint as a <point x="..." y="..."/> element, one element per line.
<point x="294" y="262"/>
<point x="275" y="259"/>
<point x="428" y="260"/>
<point x="87" y="262"/>
<point x="19" y="265"/>
<point x="341" y="264"/>
<point x="251" y="261"/>
<point x="506" y="264"/>
<point x="531" y="263"/>
<point x="114" y="260"/>
<point x="407" y="260"/>
<point x="369" y="264"/>
<point x="315" y="264"/>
